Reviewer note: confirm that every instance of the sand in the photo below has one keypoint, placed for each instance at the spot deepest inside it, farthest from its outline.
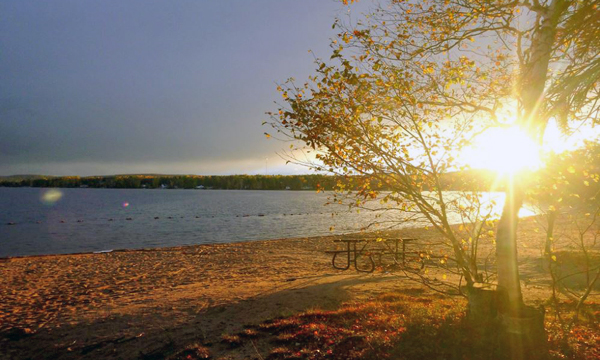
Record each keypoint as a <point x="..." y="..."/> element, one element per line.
<point x="140" y="303"/>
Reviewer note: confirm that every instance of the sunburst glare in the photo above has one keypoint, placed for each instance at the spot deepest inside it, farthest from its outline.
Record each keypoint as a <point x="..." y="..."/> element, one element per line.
<point x="505" y="150"/>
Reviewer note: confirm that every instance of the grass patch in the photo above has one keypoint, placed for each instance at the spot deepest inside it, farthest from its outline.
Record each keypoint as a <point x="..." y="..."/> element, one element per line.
<point x="192" y="352"/>
<point x="574" y="339"/>
<point x="233" y="341"/>
<point x="391" y="326"/>
<point x="403" y="326"/>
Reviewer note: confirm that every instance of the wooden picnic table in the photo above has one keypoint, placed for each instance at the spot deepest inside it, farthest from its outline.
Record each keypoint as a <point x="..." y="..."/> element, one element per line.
<point x="357" y="248"/>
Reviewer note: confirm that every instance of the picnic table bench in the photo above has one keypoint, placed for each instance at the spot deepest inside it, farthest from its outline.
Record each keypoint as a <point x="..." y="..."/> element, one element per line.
<point x="373" y="252"/>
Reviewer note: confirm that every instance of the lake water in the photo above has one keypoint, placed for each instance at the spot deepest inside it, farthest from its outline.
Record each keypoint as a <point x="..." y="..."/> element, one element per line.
<point x="55" y="221"/>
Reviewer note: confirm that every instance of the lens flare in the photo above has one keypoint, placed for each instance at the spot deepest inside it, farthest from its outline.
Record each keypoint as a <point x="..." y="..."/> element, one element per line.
<point x="506" y="150"/>
<point x="51" y="196"/>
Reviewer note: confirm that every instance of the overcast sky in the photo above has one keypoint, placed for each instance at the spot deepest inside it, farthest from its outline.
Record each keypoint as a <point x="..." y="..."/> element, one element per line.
<point x="112" y="87"/>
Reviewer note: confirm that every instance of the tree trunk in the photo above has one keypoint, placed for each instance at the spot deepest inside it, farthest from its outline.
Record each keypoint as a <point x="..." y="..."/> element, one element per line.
<point x="509" y="287"/>
<point x="482" y="308"/>
<point x="523" y="335"/>
<point x="531" y="84"/>
<point x="550" y="233"/>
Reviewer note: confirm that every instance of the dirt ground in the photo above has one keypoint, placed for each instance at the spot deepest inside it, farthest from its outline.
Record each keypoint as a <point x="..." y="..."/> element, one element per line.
<point x="141" y="304"/>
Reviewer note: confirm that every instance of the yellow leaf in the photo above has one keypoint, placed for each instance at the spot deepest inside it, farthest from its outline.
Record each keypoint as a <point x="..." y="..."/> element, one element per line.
<point x="571" y="169"/>
<point x="553" y="257"/>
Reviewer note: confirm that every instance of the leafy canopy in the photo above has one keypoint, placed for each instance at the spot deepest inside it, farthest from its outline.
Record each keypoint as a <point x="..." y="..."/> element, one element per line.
<point x="412" y="83"/>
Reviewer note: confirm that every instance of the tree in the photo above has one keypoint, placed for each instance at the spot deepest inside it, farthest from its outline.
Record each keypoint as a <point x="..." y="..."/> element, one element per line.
<point x="570" y="191"/>
<point x="411" y="84"/>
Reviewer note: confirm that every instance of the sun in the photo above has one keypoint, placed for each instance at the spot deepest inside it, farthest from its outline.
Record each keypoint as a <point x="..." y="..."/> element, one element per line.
<point x="504" y="150"/>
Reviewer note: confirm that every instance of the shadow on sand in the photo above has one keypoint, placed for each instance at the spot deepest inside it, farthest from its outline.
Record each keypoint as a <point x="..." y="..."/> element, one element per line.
<point x="152" y="333"/>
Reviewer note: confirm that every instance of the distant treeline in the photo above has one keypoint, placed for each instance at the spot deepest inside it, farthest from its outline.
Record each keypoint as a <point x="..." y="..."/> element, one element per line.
<point x="231" y="182"/>
<point x="575" y="173"/>
<point x="464" y="181"/>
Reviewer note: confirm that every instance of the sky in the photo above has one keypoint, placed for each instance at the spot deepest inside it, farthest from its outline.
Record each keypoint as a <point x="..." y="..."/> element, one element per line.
<point x="141" y="86"/>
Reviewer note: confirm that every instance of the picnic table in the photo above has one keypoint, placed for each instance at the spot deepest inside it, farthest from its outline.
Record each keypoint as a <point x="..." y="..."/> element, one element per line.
<point x="373" y="251"/>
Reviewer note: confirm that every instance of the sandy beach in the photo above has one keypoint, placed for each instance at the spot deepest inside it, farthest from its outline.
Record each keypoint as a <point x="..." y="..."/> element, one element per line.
<point x="136" y="304"/>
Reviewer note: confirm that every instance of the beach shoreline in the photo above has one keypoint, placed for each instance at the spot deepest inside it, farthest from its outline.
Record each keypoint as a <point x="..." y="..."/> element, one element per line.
<point x="124" y="303"/>
<point x="48" y="300"/>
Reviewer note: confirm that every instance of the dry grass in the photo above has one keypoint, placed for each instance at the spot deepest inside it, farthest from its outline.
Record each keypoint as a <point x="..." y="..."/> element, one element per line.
<point x="401" y="326"/>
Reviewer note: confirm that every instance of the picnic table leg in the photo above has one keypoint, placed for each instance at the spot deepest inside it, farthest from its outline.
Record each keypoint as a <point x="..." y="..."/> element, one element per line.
<point x="349" y="256"/>
<point x="339" y="267"/>
<point x="356" y="255"/>
<point x="403" y="253"/>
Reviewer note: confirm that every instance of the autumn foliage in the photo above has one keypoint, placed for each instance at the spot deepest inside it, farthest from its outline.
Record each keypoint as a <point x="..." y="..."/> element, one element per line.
<point x="410" y="85"/>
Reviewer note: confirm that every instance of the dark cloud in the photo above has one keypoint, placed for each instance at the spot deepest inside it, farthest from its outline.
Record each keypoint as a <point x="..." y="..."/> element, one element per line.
<point x="103" y="87"/>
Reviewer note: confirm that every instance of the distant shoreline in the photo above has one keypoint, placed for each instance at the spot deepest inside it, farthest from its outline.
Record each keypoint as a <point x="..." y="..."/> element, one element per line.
<point x="117" y="188"/>
<point x="200" y="182"/>
<point x="469" y="180"/>
<point x="170" y="189"/>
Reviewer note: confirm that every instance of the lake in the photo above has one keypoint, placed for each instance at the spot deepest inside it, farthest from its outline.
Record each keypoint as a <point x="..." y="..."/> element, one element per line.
<point x="55" y="221"/>
<point x="36" y="221"/>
